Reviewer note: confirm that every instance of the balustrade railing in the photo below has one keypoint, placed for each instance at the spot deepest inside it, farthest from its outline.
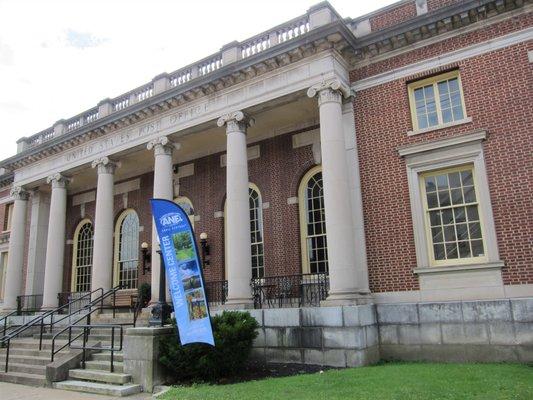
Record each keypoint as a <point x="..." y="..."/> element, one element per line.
<point x="180" y="77"/>
<point x="77" y="300"/>
<point x="216" y="292"/>
<point x="282" y="33"/>
<point x="210" y="65"/>
<point x="29" y="303"/>
<point x="302" y="290"/>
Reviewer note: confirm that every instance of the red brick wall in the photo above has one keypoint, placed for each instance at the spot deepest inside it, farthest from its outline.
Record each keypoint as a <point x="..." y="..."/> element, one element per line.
<point x="206" y="189"/>
<point x="277" y="174"/>
<point x="137" y="200"/>
<point x="497" y="89"/>
<point x="393" y="17"/>
<point x="482" y="34"/>
<point x="436" y="4"/>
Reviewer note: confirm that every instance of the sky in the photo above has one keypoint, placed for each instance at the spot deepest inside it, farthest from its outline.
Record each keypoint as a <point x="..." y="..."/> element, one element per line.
<point x="59" y="58"/>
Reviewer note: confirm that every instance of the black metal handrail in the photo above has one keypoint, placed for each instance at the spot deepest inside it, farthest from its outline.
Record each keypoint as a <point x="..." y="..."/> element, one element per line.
<point x="216" y="292"/>
<point x="299" y="290"/>
<point x="85" y="333"/>
<point x="4" y="319"/>
<point x="5" y="341"/>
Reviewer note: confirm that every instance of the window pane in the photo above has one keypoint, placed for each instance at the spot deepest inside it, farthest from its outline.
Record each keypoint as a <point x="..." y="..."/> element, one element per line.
<point x="453" y="84"/>
<point x="451" y="222"/>
<point x="316" y="227"/>
<point x="447" y="116"/>
<point x="433" y="119"/>
<point x="422" y="121"/>
<point x="419" y="94"/>
<point x="458" y="113"/>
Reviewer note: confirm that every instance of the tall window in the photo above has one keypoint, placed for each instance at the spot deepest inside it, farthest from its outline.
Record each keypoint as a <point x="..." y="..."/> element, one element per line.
<point x="8" y="216"/>
<point x="82" y="257"/>
<point x="436" y="101"/>
<point x="256" y="232"/>
<point x="127" y="249"/>
<point x="313" y="223"/>
<point x="452" y="215"/>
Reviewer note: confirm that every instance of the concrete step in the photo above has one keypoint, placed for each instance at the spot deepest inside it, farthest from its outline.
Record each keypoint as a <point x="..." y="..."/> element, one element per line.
<point x="106" y="356"/>
<point x="98" y="388"/>
<point x="18" y="359"/>
<point x="31" y="343"/>
<point x="104" y="366"/>
<point x="99" y="376"/>
<point x="27" y="368"/>
<point x="23" y="378"/>
<point x="30" y="352"/>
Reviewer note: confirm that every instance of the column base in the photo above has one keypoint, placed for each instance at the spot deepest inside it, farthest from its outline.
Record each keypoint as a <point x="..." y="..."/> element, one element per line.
<point x="351" y="298"/>
<point x="237" y="304"/>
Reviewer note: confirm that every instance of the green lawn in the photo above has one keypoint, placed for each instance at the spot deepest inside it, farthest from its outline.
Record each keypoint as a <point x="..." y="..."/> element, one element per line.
<point x="396" y="381"/>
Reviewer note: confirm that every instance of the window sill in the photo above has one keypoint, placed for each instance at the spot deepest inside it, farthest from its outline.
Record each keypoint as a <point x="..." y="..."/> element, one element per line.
<point x="455" y="268"/>
<point x="442" y="126"/>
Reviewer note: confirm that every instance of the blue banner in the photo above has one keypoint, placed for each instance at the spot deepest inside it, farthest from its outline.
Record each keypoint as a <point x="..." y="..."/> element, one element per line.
<point x="184" y="274"/>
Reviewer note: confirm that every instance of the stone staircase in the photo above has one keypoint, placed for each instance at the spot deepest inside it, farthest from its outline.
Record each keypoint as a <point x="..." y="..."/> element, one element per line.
<point x="96" y="377"/>
<point x="27" y="365"/>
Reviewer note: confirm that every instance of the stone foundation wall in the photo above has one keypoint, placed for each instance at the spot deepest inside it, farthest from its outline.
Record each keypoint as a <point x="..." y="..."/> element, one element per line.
<point x="334" y="336"/>
<point x="483" y="331"/>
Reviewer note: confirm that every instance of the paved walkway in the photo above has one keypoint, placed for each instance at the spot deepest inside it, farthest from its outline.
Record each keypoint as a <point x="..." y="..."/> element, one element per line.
<point x="10" y="391"/>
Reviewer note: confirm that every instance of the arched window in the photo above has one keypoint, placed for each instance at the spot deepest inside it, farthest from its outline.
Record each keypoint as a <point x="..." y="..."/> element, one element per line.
<point x="127" y="249"/>
<point x="313" y="222"/>
<point x="256" y="232"/>
<point x="186" y="204"/>
<point x="82" y="257"/>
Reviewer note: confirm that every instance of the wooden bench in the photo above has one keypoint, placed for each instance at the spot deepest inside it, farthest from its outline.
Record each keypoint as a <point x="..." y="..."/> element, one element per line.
<point x="125" y="298"/>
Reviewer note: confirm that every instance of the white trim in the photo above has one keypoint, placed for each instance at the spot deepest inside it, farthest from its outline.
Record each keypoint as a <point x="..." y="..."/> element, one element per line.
<point x="441" y="126"/>
<point x="7" y="199"/>
<point x="409" y="150"/>
<point x="470" y="267"/>
<point x="128" y="186"/>
<point x="185" y="170"/>
<point x="446" y="153"/>
<point x="518" y="290"/>
<point x="83" y="198"/>
<point x="445" y="59"/>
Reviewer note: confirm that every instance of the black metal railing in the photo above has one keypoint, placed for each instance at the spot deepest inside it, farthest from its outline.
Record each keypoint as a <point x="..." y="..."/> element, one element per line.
<point x="301" y="290"/>
<point x="29" y="303"/>
<point x="5" y="319"/>
<point x="216" y="292"/>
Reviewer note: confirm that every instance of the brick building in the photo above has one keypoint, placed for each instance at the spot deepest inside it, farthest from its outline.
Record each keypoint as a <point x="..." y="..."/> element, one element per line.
<point x="330" y="161"/>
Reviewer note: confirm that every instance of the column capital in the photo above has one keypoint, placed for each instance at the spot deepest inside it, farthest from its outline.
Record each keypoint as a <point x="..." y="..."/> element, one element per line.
<point x="58" y="181"/>
<point x="19" y="193"/>
<point x="236" y="121"/>
<point x="330" y="90"/>
<point x="105" y="166"/>
<point x="162" y="146"/>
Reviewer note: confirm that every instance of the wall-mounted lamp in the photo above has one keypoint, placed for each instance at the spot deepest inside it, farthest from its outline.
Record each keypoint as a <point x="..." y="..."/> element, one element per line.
<point x="147" y="267"/>
<point x="205" y="249"/>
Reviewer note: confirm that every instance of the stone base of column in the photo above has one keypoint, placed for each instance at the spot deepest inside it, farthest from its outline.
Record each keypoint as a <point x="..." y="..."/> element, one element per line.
<point x="237" y="304"/>
<point x="352" y="298"/>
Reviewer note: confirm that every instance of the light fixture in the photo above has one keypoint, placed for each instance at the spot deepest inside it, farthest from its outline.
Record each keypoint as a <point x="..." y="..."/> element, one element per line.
<point x="145" y="258"/>
<point x="205" y="249"/>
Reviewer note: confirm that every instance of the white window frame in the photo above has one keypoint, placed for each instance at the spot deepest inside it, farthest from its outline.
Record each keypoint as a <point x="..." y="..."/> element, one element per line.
<point x="434" y="81"/>
<point x="117" y="260"/>
<point x="81" y="224"/>
<point x="443" y="154"/>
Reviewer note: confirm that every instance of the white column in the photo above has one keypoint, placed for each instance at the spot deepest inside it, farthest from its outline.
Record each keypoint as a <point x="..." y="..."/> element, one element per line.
<point x="238" y="251"/>
<point x="13" y="284"/>
<point x="345" y="285"/>
<point x="163" y="189"/>
<point x="40" y="213"/>
<point x="103" y="225"/>
<point x="55" y="245"/>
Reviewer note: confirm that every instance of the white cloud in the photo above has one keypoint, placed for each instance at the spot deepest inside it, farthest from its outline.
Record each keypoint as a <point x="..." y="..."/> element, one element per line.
<point x="59" y="58"/>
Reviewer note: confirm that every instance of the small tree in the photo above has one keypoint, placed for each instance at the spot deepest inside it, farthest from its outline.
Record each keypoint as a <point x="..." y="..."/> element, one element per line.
<point x="234" y="332"/>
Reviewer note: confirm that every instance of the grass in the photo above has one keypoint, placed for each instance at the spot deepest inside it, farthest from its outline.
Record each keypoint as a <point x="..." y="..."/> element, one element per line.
<point x="393" y="381"/>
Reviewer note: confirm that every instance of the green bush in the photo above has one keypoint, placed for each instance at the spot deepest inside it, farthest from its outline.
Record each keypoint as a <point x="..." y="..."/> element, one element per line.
<point x="234" y="332"/>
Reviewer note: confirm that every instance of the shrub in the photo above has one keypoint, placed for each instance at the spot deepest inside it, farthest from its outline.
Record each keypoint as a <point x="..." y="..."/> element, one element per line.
<point x="234" y="332"/>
